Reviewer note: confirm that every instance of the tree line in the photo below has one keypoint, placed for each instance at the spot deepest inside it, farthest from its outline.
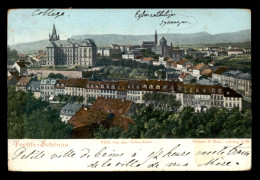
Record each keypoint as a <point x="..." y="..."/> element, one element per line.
<point x="160" y="119"/>
<point x="28" y="117"/>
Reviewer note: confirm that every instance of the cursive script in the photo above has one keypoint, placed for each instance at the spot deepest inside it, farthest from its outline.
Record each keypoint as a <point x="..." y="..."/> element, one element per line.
<point x="48" y="12"/>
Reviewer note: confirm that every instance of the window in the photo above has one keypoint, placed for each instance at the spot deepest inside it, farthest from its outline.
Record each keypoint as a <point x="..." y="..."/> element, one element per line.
<point x="219" y="90"/>
<point x="179" y="88"/>
<point x="197" y="90"/>
<point x="151" y="87"/>
<point x="102" y="86"/>
<point x="172" y="88"/>
<point x="213" y="90"/>
<point x="165" y="87"/>
<point x="204" y="90"/>
<point x="157" y="87"/>
<point x="137" y="86"/>
<point x="145" y="86"/>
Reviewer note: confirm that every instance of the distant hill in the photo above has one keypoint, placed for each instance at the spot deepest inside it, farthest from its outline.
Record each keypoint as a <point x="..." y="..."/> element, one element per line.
<point x="104" y="40"/>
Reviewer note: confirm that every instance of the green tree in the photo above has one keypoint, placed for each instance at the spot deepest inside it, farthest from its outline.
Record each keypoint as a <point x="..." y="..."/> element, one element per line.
<point x="23" y="119"/>
<point x="193" y="81"/>
<point x="56" y="76"/>
<point x="72" y="99"/>
<point x="80" y="99"/>
<point x="164" y="102"/>
<point x="49" y="126"/>
<point x="203" y="77"/>
<point x="60" y="97"/>
<point x="91" y="100"/>
<point x="12" y="55"/>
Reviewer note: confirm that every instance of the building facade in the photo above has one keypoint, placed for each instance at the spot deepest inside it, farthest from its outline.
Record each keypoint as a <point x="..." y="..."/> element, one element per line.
<point x="70" y="52"/>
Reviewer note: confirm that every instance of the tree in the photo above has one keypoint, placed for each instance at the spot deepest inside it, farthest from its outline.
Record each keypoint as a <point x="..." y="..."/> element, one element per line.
<point x="12" y="55"/>
<point x="164" y="102"/>
<point x="72" y="99"/>
<point x="56" y="76"/>
<point x="49" y="126"/>
<point x="193" y="81"/>
<point x="60" y="97"/>
<point x="203" y="77"/>
<point x="23" y="119"/>
<point x="91" y="100"/>
<point x="80" y="99"/>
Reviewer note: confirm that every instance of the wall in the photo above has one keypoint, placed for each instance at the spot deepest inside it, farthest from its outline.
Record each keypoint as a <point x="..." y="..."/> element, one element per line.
<point x="69" y="74"/>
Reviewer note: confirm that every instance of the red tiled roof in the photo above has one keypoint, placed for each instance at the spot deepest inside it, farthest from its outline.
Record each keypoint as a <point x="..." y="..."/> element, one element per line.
<point x="97" y="84"/>
<point x="202" y="89"/>
<point x="61" y="81"/>
<point x="230" y="93"/>
<point x="23" y="81"/>
<point x="183" y="75"/>
<point x="111" y="105"/>
<point x="22" y="64"/>
<point x="181" y="62"/>
<point x="206" y="72"/>
<point x="235" y="50"/>
<point x="199" y="66"/>
<point x="147" y="59"/>
<point x="85" y="118"/>
<point x="77" y="82"/>
<point x="220" y="70"/>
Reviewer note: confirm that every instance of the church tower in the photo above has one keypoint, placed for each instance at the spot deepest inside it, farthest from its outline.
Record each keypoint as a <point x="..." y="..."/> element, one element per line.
<point x="155" y="38"/>
<point x="54" y="36"/>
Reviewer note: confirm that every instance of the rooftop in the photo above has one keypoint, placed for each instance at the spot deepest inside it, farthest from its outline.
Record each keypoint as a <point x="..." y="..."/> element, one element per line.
<point x="70" y="109"/>
<point x="111" y="105"/>
<point x="220" y="70"/>
<point x="199" y="66"/>
<point x="77" y="82"/>
<point x="23" y="81"/>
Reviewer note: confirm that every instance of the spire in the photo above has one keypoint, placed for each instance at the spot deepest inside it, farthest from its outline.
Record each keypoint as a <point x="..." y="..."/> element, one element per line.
<point x="155" y="37"/>
<point x="54" y="36"/>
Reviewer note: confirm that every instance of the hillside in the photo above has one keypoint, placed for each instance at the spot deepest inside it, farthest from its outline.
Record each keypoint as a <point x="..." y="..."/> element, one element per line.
<point x="104" y="40"/>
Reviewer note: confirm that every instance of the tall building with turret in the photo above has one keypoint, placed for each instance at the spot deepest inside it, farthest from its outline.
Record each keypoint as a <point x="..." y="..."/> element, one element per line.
<point x="70" y="51"/>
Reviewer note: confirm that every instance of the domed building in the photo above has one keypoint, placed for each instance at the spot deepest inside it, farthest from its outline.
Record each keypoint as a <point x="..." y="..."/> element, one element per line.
<point x="162" y="48"/>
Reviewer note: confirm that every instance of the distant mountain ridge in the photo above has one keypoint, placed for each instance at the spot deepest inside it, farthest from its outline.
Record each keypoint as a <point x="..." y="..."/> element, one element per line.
<point x="105" y="40"/>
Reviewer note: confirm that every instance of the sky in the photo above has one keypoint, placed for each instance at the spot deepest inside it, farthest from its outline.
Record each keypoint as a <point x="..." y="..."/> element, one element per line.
<point x="27" y="25"/>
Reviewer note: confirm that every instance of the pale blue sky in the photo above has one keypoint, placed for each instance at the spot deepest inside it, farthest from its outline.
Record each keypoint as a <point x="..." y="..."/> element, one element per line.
<point x="23" y="27"/>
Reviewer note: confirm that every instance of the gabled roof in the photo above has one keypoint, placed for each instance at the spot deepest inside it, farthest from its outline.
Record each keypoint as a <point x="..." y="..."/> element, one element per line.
<point x="199" y="66"/>
<point x="230" y="93"/>
<point x="183" y="75"/>
<point x="111" y="105"/>
<point x="77" y="82"/>
<point x="85" y="118"/>
<point x="207" y="72"/>
<point x="181" y="62"/>
<point x="147" y="59"/>
<point x="70" y="109"/>
<point x="23" y="81"/>
<point x="22" y="64"/>
<point x="14" y="73"/>
<point x="220" y="70"/>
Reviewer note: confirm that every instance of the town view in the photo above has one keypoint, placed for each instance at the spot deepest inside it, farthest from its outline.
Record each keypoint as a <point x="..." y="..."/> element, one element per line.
<point x="144" y="86"/>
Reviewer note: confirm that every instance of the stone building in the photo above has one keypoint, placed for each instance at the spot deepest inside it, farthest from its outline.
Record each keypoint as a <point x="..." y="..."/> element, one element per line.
<point x="70" y="52"/>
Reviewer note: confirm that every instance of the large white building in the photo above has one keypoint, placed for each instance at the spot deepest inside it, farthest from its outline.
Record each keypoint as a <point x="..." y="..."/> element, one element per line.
<point x="199" y="96"/>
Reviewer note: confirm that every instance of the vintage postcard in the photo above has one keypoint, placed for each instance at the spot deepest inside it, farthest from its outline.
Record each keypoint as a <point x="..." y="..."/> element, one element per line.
<point x="129" y="90"/>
